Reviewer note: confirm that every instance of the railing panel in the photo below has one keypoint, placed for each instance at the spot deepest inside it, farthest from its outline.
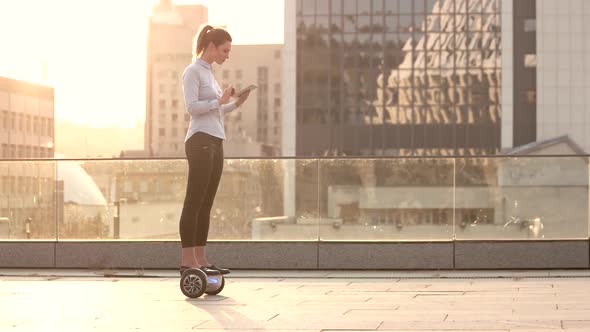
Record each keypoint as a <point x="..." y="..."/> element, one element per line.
<point x="520" y="198"/>
<point x="143" y="200"/>
<point x="398" y="199"/>
<point x="328" y="199"/>
<point x="28" y="200"/>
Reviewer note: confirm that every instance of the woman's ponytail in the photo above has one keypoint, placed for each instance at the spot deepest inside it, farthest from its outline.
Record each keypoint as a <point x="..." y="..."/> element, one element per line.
<point x="202" y="39"/>
<point x="207" y="35"/>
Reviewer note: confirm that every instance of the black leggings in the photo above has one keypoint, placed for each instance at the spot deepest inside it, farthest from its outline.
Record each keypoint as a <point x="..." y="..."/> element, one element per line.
<point x="205" y="163"/>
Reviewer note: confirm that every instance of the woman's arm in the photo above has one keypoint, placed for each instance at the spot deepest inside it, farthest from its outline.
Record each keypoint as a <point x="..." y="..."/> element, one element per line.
<point x="226" y="108"/>
<point x="190" y="86"/>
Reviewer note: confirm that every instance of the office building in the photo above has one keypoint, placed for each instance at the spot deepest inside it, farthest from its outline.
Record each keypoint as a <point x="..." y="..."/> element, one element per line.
<point x="258" y="120"/>
<point x="434" y="77"/>
<point x="26" y="119"/>
<point x="170" y="39"/>
<point x="27" y="131"/>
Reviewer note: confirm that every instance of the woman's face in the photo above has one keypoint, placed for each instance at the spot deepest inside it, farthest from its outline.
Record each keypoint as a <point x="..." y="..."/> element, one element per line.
<point x="221" y="52"/>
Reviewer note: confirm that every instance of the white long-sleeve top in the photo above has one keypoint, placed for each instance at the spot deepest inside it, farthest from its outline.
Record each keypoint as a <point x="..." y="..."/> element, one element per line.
<point x="201" y="92"/>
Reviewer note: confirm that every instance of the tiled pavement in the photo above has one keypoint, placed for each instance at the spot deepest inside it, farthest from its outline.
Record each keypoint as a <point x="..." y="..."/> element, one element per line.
<point x="524" y="301"/>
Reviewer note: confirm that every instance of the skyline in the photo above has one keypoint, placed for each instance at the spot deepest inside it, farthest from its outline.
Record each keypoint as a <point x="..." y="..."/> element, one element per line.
<point x="98" y="71"/>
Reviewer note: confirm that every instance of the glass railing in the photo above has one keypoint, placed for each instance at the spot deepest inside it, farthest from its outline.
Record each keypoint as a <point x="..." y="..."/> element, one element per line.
<point x="288" y="199"/>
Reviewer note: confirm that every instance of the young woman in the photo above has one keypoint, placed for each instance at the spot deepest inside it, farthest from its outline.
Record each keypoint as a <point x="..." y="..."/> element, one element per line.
<point x="206" y="103"/>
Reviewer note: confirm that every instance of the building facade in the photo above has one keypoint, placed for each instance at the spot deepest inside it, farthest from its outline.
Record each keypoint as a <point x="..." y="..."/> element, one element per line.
<point x="27" y="131"/>
<point x="253" y="130"/>
<point x="258" y="120"/>
<point x="170" y="39"/>
<point x="434" y="77"/>
<point x="562" y="70"/>
<point x="26" y="119"/>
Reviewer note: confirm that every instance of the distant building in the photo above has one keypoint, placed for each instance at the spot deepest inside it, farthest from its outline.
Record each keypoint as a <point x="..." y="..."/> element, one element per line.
<point x="82" y="211"/>
<point x="434" y="77"/>
<point x="253" y="130"/>
<point x="26" y="131"/>
<point x="26" y="119"/>
<point x="259" y="119"/>
<point x="134" y="154"/>
<point x="170" y="39"/>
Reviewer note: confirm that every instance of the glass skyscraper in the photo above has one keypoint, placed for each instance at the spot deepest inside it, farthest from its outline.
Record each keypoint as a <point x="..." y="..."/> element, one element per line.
<point x="401" y="77"/>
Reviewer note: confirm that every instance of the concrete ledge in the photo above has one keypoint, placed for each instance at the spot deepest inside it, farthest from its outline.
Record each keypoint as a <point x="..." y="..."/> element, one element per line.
<point x="264" y="255"/>
<point x="522" y="254"/>
<point x="166" y="254"/>
<point x="379" y="255"/>
<point x="118" y="254"/>
<point x="27" y="254"/>
<point x="310" y="255"/>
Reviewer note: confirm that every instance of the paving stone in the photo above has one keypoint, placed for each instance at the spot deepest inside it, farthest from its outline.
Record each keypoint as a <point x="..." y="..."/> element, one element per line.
<point x="55" y="300"/>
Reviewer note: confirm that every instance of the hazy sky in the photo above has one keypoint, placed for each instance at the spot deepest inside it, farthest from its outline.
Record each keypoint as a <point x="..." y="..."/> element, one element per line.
<point x="93" y="52"/>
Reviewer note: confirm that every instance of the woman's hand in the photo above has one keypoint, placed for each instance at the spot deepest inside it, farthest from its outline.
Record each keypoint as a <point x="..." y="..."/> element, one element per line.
<point x="242" y="98"/>
<point x="228" y="92"/>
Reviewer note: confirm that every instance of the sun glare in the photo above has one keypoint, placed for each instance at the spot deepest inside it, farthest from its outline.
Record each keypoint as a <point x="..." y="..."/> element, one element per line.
<point x="94" y="52"/>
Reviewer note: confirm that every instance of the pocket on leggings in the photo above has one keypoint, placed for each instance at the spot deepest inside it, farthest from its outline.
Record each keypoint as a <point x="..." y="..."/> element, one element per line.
<point x="209" y="149"/>
<point x="206" y="149"/>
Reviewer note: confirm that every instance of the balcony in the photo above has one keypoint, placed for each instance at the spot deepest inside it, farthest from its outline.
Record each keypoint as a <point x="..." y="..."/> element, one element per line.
<point x="288" y="213"/>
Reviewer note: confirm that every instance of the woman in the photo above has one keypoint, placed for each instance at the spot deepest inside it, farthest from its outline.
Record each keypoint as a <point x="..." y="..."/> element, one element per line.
<point x="206" y="103"/>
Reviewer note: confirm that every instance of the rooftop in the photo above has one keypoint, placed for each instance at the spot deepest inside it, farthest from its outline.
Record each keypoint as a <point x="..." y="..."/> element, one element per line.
<point x="493" y="301"/>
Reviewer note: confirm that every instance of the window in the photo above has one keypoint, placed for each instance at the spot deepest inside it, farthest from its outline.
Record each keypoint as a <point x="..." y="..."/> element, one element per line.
<point x="530" y="60"/>
<point x="174" y="117"/>
<point x="277" y="88"/>
<point x="175" y="103"/>
<point x="44" y="122"/>
<point x="239" y="74"/>
<point x="307" y="7"/>
<point x="530" y="97"/>
<point x="277" y="54"/>
<point x="262" y="74"/>
<point x="162" y="103"/>
<point x="143" y="186"/>
<point x="225" y="74"/>
<point x="4" y="119"/>
<point x="277" y="102"/>
<point x="530" y="25"/>
<point x="162" y="132"/>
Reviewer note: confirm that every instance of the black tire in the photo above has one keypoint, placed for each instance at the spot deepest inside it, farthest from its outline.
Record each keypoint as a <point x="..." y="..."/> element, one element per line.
<point x="193" y="283"/>
<point x="218" y="290"/>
